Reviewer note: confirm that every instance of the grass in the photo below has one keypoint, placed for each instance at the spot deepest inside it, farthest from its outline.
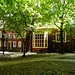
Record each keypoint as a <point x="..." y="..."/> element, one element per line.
<point x="41" y="64"/>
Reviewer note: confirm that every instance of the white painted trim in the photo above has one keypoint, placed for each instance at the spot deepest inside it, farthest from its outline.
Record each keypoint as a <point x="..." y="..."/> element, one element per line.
<point x="20" y="44"/>
<point x="13" y="43"/>
<point x="44" y="40"/>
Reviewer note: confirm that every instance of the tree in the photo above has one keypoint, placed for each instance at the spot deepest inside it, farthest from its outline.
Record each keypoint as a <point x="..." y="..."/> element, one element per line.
<point x="2" y="23"/>
<point x="23" y="15"/>
<point x="19" y="16"/>
<point x="60" y="13"/>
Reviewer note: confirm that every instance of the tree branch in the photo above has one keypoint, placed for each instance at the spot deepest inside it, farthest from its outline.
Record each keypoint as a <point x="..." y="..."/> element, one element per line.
<point x="57" y="25"/>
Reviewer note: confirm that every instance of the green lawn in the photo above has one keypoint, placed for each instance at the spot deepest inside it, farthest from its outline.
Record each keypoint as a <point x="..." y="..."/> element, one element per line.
<point x="40" y="64"/>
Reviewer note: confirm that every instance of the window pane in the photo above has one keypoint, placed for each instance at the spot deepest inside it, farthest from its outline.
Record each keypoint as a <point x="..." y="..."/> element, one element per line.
<point x="42" y="45"/>
<point x="36" y="45"/>
<point x="35" y="34"/>
<point x="35" y="41"/>
<point x="14" y="44"/>
<point x="45" y="41"/>
<point x="38" y="41"/>
<point x="42" y="37"/>
<point x="35" y="37"/>
<point x="42" y="41"/>
<point x="19" y="44"/>
<point x="45" y="45"/>
<point x="38" y="38"/>
<point x="40" y="34"/>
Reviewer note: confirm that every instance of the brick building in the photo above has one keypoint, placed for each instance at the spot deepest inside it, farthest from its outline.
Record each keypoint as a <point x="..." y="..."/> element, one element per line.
<point x="41" y="41"/>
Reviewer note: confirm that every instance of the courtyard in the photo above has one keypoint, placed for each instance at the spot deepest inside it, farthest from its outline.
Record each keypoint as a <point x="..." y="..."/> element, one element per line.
<point x="38" y="64"/>
<point x="45" y="30"/>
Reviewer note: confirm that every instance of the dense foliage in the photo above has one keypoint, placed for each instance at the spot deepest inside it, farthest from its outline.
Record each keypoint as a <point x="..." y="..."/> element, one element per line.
<point x="22" y="15"/>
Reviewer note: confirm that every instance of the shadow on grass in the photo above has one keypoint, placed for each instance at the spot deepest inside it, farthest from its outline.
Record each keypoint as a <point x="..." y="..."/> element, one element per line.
<point x="39" y="68"/>
<point x="24" y="58"/>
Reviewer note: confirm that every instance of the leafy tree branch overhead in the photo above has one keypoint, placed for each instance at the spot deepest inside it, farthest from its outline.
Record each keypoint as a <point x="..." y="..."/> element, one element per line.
<point x="19" y="15"/>
<point x="27" y="14"/>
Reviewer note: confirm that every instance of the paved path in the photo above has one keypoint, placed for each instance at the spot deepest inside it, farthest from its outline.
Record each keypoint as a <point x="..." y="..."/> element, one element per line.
<point x="15" y="54"/>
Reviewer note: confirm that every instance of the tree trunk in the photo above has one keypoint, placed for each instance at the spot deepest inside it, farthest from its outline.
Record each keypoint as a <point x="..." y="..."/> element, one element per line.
<point x="71" y="38"/>
<point x="3" y="47"/>
<point x="28" y="40"/>
<point x="3" y="41"/>
<point x="26" y="43"/>
<point x="61" y="37"/>
<point x="24" y="49"/>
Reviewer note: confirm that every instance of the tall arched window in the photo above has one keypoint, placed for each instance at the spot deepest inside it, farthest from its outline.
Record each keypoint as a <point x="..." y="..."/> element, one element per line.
<point x="19" y="44"/>
<point x="14" y="44"/>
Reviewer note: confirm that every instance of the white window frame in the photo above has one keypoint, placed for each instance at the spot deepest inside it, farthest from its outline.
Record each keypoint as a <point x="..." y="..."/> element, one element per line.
<point x="45" y="35"/>
<point x="9" y="35"/>
<point x="0" y="43"/>
<point x="59" y="37"/>
<point x="13" y="44"/>
<point x="0" y="34"/>
<point x="19" y="44"/>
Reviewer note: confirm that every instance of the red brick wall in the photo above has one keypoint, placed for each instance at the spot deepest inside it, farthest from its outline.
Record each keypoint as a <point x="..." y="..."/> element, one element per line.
<point x="52" y="46"/>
